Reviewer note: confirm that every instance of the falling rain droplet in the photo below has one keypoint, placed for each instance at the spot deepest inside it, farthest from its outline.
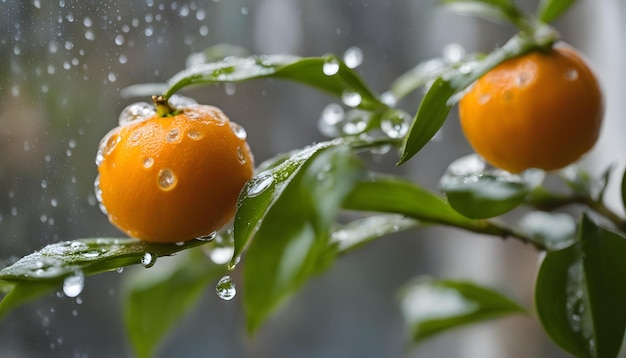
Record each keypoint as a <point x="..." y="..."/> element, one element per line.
<point x="73" y="284"/>
<point x="148" y="259"/>
<point x="330" y="66"/>
<point x="351" y="99"/>
<point x="136" y="111"/>
<point x="166" y="179"/>
<point x="239" y="131"/>
<point x="225" y="288"/>
<point x="353" y="57"/>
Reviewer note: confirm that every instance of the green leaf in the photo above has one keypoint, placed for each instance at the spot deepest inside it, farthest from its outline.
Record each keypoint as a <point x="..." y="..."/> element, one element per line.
<point x="478" y="192"/>
<point x="445" y="90"/>
<point x="580" y="293"/>
<point x="497" y="10"/>
<point x="392" y="195"/>
<point x="291" y="242"/>
<point x="355" y="234"/>
<point x="550" y="10"/>
<point x="340" y="80"/>
<point x="433" y="306"/>
<point x="155" y="299"/>
<point x="35" y="274"/>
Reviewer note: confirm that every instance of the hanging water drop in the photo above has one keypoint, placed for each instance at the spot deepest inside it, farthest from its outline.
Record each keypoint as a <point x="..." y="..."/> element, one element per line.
<point x="225" y="288"/>
<point x="352" y="99"/>
<point x="395" y="124"/>
<point x="330" y="66"/>
<point x="239" y="131"/>
<point x="148" y="259"/>
<point x="453" y="53"/>
<point x="73" y="284"/>
<point x="208" y="237"/>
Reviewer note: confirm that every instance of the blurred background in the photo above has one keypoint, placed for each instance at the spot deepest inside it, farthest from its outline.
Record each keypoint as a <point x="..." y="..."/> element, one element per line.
<point x="62" y="66"/>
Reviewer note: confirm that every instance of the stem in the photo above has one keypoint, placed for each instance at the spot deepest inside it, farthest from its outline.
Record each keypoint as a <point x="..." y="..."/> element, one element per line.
<point x="162" y="106"/>
<point x="492" y="228"/>
<point x="605" y="211"/>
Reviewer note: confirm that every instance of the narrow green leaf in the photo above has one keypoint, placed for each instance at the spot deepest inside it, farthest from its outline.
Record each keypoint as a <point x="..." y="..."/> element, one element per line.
<point x="346" y="238"/>
<point x="550" y="10"/>
<point x="433" y="306"/>
<point x="580" y="293"/>
<point x="291" y="242"/>
<point x="392" y="195"/>
<point x="478" y="192"/>
<point x="48" y="267"/>
<point x="445" y="90"/>
<point x="495" y="10"/>
<point x="338" y="81"/>
<point x="262" y="191"/>
<point x="155" y="299"/>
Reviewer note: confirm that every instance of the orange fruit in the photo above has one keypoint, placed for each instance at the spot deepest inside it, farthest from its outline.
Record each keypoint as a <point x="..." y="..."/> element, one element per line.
<point x="173" y="178"/>
<point x="540" y="110"/>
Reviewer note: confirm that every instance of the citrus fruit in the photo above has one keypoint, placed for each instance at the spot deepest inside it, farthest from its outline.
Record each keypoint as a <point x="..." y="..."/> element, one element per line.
<point x="172" y="178"/>
<point x="540" y="110"/>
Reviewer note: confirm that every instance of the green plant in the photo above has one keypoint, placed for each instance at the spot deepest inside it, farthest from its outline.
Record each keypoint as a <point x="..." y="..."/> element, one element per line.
<point x="578" y="294"/>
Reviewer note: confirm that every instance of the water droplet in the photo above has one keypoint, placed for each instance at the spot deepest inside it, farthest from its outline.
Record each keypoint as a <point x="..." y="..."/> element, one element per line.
<point x="148" y="162"/>
<point x="259" y="184"/>
<point x="395" y="124"/>
<point x="571" y="74"/>
<point x="221" y="255"/>
<point x="355" y="123"/>
<point x="332" y="114"/>
<point x="178" y="101"/>
<point x="90" y="35"/>
<point x="453" y="53"/>
<point x="353" y="57"/>
<point x="389" y="99"/>
<point x="106" y="146"/>
<point x="225" y="288"/>
<point x="209" y="237"/>
<point x="148" y="259"/>
<point x="91" y="254"/>
<point x="239" y="131"/>
<point x="351" y="99"/>
<point x="166" y="179"/>
<point x="241" y="156"/>
<point x="173" y="136"/>
<point x="522" y="79"/>
<point x="331" y="66"/>
<point x="73" y="284"/>
<point x="136" y="111"/>
<point x="195" y="134"/>
<point x="244" y="11"/>
<point x="230" y="88"/>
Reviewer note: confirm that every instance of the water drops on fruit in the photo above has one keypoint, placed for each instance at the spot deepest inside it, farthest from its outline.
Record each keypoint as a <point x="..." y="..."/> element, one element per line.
<point x="351" y="99"/>
<point x="225" y="288"/>
<point x="106" y="145"/>
<point x="571" y="74"/>
<point x="73" y="284"/>
<point x="148" y="162"/>
<point x="173" y="136"/>
<point x="395" y="124"/>
<point x="239" y="131"/>
<point x="195" y="134"/>
<point x="136" y="111"/>
<point x="148" y="259"/>
<point x="331" y="66"/>
<point x="166" y="179"/>
<point x="353" y="57"/>
<point x="241" y="156"/>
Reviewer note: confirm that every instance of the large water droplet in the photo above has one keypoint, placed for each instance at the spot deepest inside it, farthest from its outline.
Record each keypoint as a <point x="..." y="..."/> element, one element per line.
<point x="395" y="124"/>
<point x="259" y="184"/>
<point x="330" y="66"/>
<point x="166" y="179"/>
<point x="148" y="259"/>
<point x="225" y="288"/>
<point x="353" y="57"/>
<point x="352" y="99"/>
<point x="136" y="111"/>
<point x="106" y="146"/>
<point x="239" y="131"/>
<point x="73" y="284"/>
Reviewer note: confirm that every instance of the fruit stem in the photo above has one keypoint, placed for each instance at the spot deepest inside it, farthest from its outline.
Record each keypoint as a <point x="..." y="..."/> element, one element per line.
<point x="163" y="107"/>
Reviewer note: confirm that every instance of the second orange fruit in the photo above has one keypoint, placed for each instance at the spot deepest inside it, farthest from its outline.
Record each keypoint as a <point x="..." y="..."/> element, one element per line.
<point x="541" y="110"/>
<point x="173" y="178"/>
